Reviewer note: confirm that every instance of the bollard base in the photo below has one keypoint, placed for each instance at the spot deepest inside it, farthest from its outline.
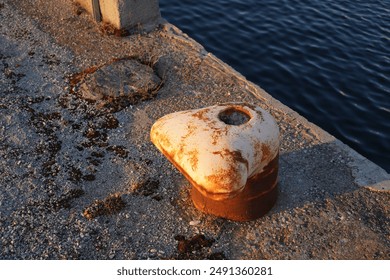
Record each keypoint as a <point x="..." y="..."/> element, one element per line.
<point x="257" y="198"/>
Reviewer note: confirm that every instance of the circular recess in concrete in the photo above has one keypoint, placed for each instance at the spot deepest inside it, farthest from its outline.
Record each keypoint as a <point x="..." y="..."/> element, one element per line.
<point x="124" y="81"/>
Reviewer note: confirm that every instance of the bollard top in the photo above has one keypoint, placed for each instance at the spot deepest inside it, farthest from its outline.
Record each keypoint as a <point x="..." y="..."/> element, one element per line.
<point x="218" y="148"/>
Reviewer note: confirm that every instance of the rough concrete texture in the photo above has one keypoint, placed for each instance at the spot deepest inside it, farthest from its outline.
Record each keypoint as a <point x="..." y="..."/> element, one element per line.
<point x="81" y="179"/>
<point x="86" y="4"/>
<point x="143" y="14"/>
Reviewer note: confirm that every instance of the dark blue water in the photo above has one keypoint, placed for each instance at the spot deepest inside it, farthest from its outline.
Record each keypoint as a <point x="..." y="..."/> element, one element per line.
<point x="327" y="59"/>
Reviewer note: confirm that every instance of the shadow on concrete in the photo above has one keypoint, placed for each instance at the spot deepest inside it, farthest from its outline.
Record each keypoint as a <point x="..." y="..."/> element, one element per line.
<point x="312" y="175"/>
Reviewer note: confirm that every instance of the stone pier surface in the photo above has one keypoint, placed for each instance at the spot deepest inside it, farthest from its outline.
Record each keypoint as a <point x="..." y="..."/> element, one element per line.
<point x="80" y="178"/>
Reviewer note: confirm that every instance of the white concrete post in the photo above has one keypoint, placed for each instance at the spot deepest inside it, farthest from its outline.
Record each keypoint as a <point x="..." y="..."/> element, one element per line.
<point x="126" y="14"/>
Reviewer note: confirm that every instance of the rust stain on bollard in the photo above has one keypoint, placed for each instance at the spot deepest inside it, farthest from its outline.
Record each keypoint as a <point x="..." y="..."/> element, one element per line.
<point x="256" y="199"/>
<point x="229" y="153"/>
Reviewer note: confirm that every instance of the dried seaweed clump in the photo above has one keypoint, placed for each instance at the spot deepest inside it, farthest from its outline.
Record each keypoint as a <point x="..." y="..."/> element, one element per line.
<point x="196" y="248"/>
<point x="111" y="205"/>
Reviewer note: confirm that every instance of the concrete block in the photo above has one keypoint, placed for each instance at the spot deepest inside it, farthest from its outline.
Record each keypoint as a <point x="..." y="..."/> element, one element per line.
<point x="127" y="14"/>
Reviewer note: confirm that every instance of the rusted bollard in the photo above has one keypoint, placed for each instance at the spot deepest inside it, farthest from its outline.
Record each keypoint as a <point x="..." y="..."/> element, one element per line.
<point x="229" y="153"/>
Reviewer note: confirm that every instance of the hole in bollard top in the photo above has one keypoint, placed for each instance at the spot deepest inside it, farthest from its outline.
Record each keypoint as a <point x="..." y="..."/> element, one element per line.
<point x="234" y="116"/>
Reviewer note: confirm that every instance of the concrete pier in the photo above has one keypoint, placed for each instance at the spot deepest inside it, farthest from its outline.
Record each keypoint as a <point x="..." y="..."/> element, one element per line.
<point x="80" y="178"/>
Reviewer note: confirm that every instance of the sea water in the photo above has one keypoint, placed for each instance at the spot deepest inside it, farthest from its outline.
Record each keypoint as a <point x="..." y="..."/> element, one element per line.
<point x="328" y="60"/>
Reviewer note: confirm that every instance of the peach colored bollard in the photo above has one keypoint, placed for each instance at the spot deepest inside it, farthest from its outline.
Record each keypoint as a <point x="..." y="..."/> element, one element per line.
<point x="230" y="155"/>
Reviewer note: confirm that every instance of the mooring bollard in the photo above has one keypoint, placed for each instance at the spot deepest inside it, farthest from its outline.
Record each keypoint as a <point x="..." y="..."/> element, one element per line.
<point x="230" y="155"/>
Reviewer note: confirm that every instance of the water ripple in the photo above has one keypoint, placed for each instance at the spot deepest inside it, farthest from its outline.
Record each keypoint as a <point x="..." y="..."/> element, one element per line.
<point x="327" y="59"/>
